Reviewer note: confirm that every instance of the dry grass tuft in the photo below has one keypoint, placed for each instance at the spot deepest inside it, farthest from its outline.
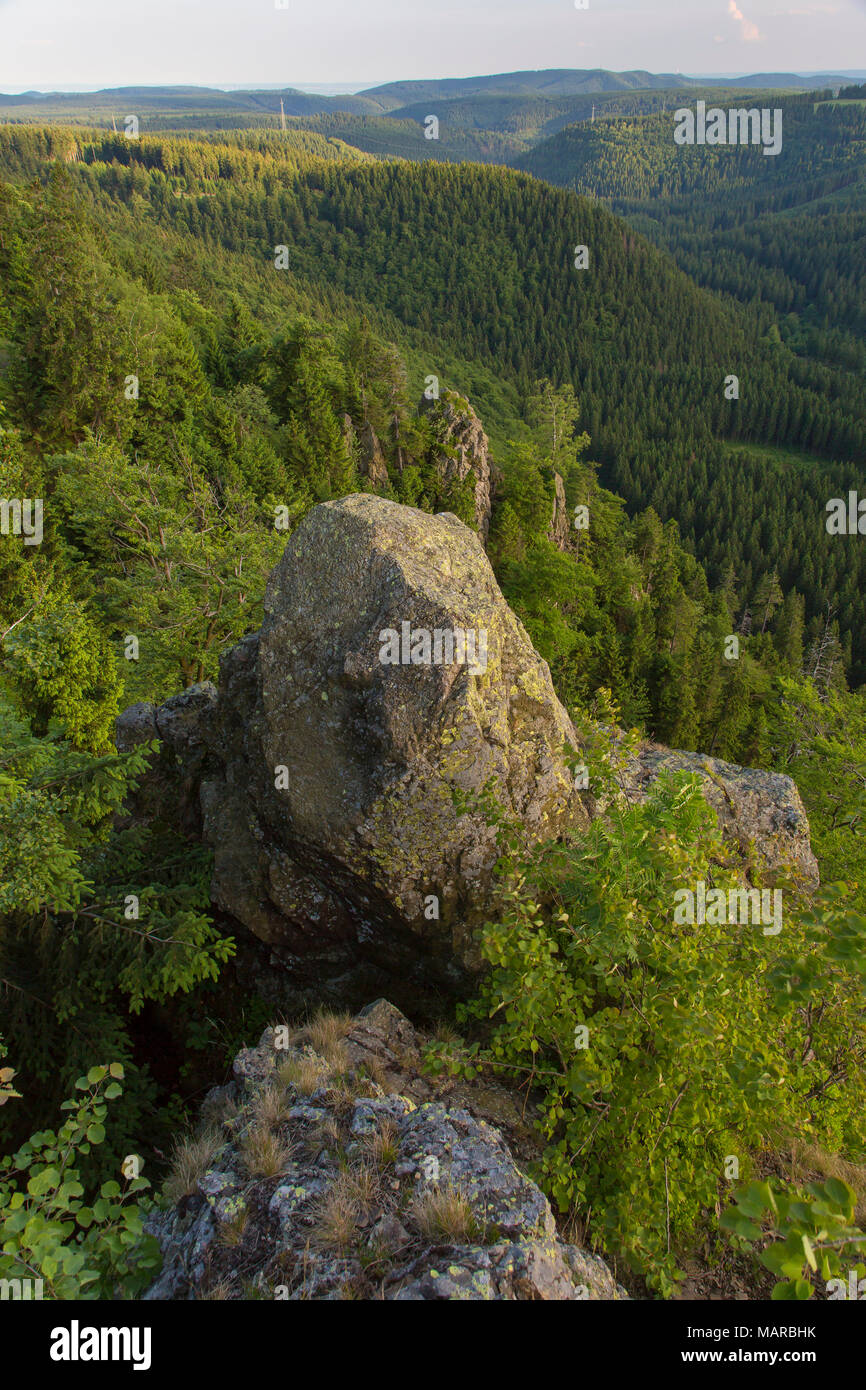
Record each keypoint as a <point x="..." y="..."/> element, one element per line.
<point x="446" y="1034"/>
<point x="337" y="1222"/>
<point x="325" y="1135"/>
<point x="305" y="1073"/>
<point x="345" y="1209"/>
<point x="381" y="1147"/>
<point x="264" y="1153"/>
<point x="229" y="1112"/>
<point x="575" y="1231"/>
<point x="378" y="1073"/>
<point x="271" y="1106"/>
<point x="217" y="1292"/>
<point x="325" y="1033"/>
<point x="346" y="1090"/>
<point x="443" y="1213"/>
<point x="191" y="1157"/>
<point x="231" y="1232"/>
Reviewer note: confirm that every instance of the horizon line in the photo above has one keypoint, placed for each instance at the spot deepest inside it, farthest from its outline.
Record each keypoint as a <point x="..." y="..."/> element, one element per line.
<point x="349" y="88"/>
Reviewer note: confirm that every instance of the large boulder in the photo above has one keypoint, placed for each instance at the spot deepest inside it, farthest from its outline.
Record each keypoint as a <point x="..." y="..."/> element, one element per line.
<point x="339" y="769"/>
<point x="390" y="679"/>
<point x="761" y="812"/>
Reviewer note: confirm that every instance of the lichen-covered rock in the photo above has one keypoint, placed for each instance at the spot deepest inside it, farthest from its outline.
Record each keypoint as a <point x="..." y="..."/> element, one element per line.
<point x="329" y="794"/>
<point x="439" y="1144"/>
<point x="336" y="772"/>
<point x="185" y="1237"/>
<point x="182" y="725"/>
<point x="371" y="464"/>
<point x="366" y="1195"/>
<point x="523" y="1271"/>
<point x="382" y="1033"/>
<point x="367" y="1115"/>
<point x="760" y="811"/>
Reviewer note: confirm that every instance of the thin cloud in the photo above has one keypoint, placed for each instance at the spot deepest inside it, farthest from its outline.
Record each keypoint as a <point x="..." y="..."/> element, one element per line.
<point x="748" y="30"/>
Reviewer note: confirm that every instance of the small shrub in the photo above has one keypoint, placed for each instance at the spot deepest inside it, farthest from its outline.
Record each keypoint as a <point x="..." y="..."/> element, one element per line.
<point x="813" y="1239"/>
<point x="650" y="1040"/>
<point x="49" y="1231"/>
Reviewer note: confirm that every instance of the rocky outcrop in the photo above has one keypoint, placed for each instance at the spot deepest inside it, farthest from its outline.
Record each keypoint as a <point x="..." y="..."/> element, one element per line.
<point x="339" y="769"/>
<point x="390" y="679"/>
<point x="372" y="465"/>
<point x="323" y="1174"/>
<point x="183" y="726"/>
<point x="364" y="445"/>
<point x="466" y="452"/>
<point x="761" y="812"/>
<point x="560" y="529"/>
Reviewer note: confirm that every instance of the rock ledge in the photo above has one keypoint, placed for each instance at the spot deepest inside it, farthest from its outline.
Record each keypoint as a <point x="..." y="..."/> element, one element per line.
<point x="368" y="1193"/>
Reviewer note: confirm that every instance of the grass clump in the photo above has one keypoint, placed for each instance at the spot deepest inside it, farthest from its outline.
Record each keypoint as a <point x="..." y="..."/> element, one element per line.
<point x="444" y="1213"/>
<point x="191" y="1157"/>
<point x="265" y="1153"/>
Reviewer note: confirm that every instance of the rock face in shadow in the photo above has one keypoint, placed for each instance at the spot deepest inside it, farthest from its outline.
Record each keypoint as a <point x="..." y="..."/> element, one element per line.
<point x="560" y="522"/>
<point x="466" y="453"/>
<point x="336" y="770"/>
<point x="372" y="461"/>
<point x="390" y="679"/>
<point x="341" y="1141"/>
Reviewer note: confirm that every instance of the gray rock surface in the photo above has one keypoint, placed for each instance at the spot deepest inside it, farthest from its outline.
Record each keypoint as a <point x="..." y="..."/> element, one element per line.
<point x="762" y="812"/>
<point x="372" y="465"/>
<point x="371" y="1196"/>
<point x="329" y="783"/>
<point x="183" y="725"/>
<point x="560" y="522"/>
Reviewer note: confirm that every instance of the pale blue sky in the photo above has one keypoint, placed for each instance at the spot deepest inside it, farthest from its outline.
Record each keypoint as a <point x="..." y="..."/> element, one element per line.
<point x="105" y="43"/>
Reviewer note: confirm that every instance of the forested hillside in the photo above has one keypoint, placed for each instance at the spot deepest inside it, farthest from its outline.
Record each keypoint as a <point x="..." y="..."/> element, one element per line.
<point x="788" y="232"/>
<point x="480" y="263"/>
